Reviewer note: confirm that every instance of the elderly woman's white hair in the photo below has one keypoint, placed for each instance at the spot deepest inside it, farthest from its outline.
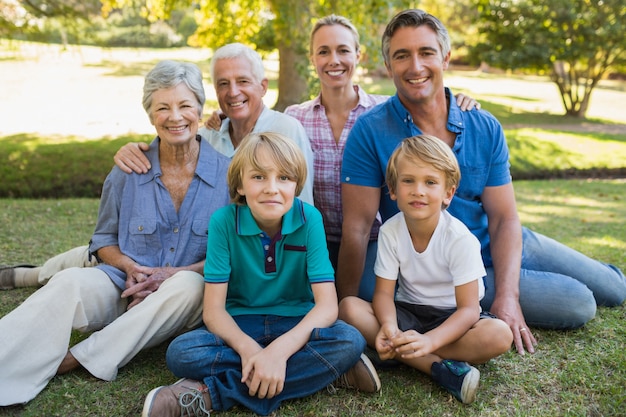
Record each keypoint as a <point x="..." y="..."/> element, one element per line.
<point x="167" y="74"/>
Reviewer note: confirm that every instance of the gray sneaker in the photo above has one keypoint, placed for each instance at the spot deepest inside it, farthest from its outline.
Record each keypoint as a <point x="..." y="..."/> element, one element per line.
<point x="184" y="398"/>
<point x="459" y="378"/>
<point x="361" y="377"/>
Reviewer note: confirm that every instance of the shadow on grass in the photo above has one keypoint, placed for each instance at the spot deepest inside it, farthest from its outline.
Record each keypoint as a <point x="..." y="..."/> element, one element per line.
<point x="57" y="167"/>
<point x="588" y="221"/>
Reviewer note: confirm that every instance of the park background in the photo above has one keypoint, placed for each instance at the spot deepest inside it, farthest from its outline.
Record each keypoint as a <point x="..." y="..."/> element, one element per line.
<point x="66" y="108"/>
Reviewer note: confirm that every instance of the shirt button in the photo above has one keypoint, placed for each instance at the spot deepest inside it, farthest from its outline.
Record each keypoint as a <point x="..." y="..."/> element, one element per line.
<point x="270" y="259"/>
<point x="266" y="247"/>
<point x="172" y="249"/>
<point x="176" y="230"/>
<point x="140" y="228"/>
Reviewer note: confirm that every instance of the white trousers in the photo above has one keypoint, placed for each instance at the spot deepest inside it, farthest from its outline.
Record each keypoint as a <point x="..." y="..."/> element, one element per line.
<point x="34" y="338"/>
<point x="78" y="256"/>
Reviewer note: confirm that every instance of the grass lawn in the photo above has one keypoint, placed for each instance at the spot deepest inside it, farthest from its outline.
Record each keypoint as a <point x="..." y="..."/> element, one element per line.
<point x="573" y="373"/>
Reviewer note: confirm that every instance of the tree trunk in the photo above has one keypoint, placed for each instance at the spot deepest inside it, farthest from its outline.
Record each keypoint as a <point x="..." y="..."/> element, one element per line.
<point x="292" y="82"/>
<point x="292" y="26"/>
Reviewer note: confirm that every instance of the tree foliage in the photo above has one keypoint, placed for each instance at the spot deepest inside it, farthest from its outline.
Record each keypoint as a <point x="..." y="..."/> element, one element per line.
<point x="576" y="42"/>
<point x="284" y="25"/>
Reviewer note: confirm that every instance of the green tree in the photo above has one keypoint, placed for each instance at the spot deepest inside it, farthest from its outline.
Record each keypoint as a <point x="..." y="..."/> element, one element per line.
<point x="576" y="42"/>
<point x="282" y="25"/>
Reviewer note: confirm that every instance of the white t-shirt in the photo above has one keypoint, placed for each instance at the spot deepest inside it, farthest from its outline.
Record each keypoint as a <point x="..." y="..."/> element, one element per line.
<point x="452" y="258"/>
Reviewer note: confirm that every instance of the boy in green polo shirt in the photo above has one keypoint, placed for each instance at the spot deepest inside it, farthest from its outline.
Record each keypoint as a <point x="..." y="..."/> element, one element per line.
<point x="270" y="304"/>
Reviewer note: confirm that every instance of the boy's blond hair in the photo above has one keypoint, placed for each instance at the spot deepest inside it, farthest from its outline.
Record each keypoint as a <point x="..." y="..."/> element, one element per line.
<point x="286" y="155"/>
<point x="428" y="149"/>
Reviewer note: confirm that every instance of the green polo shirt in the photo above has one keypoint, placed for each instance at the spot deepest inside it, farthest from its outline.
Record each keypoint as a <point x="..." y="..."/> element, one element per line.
<point x="271" y="280"/>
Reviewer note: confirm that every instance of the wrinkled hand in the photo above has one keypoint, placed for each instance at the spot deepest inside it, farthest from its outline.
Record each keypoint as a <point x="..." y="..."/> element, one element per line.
<point x="264" y="373"/>
<point x="412" y="344"/>
<point x="509" y="310"/>
<point x="215" y="120"/>
<point x="141" y="281"/>
<point x="466" y="102"/>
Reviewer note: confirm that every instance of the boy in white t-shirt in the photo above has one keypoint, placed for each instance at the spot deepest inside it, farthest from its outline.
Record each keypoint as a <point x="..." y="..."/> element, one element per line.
<point x="425" y="312"/>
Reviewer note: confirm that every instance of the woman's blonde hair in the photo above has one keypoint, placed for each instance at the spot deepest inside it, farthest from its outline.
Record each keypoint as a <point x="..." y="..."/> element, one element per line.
<point x="428" y="149"/>
<point x="332" y="20"/>
<point x="285" y="154"/>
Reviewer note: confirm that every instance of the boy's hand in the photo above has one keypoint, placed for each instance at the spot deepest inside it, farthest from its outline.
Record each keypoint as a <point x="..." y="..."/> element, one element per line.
<point x="411" y="344"/>
<point x="264" y="374"/>
<point x="384" y="345"/>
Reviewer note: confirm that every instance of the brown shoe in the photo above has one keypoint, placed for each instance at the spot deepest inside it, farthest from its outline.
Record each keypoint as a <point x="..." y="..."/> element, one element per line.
<point x="7" y="277"/>
<point x="184" y="398"/>
<point x="361" y="377"/>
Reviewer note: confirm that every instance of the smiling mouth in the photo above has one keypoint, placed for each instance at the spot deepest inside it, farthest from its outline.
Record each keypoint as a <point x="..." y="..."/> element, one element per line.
<point x="237" y="104"/>
<point x="177" y="128"/>
<point x="418" y="80"/>
<point x="335" y="73"/>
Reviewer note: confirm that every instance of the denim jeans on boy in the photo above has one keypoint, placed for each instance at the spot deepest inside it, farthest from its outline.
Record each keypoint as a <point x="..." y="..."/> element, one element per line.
<point x="202" y="356"/>
<point x="560" y="287"/>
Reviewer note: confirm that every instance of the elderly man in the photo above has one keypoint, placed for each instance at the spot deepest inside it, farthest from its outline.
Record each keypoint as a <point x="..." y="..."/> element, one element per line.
<point x="240" y="83"/>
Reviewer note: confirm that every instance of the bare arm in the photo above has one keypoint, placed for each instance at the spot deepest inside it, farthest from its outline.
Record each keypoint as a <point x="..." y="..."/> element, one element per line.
<point x="131" y="158"/>
<point x="385" y="311"/>
<point x="505" y="233"/>
<point x="360" y="205"/>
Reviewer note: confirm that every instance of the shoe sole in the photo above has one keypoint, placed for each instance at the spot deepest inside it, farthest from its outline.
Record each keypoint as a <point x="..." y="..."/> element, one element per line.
<point x="371" y="371"/>
<point x="470" y="386"/>
<point x="147" y="404"/>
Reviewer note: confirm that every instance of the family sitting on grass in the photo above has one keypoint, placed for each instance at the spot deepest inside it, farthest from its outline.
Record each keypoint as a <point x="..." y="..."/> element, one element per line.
<point x="221" y="255"/>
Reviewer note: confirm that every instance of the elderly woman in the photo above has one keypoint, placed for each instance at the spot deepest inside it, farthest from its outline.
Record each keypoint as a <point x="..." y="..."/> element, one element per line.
<point x="150" y="239"/>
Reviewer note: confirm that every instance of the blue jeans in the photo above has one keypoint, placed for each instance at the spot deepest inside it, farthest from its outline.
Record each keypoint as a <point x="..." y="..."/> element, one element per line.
<point x="203" y="356"/>
<point x="368" y="279"/>
<point x="560" y="287"/>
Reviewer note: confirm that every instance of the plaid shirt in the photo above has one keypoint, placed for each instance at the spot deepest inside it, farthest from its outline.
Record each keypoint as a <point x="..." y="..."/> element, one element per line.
<point x="328" y="155"/>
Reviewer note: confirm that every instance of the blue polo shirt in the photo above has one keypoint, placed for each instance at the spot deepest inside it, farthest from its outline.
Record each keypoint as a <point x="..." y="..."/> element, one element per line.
<point x="268" y="276"/>
<point x="480" y="148"/>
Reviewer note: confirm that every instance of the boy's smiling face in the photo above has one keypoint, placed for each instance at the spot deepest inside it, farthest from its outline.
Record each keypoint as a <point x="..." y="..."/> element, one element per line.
<point x="269" y="193"/>
<point x="420" y="190"/>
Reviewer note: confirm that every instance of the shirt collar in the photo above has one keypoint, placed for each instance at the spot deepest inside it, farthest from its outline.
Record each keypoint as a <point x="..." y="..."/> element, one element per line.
<point x="455" y="115"/>
<point x="247" y="226"/>
<point x="206" y="168"/>
<point x="225" y="134"/>
<point x="364" y="99"/>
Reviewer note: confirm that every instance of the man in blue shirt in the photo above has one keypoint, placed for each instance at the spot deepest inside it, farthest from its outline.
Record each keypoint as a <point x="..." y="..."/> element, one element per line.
<point x="530" y="278"/>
